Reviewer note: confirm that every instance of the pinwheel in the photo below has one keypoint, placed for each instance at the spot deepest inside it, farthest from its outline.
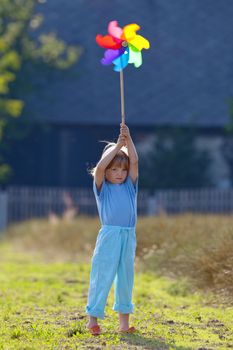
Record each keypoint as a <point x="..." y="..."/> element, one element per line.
<point x="123" y="46"/>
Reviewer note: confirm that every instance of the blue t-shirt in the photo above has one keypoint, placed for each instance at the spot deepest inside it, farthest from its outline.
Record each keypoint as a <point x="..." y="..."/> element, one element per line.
<point x="117" y="203"/>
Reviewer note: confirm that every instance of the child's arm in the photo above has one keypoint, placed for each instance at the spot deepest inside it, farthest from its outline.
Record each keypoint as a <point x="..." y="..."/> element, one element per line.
<point x="133" y="156"/>
<point x="105" y="160"/>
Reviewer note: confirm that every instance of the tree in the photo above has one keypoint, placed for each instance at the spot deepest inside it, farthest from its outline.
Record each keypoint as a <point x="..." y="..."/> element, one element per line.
<point x="20" y="51"/>
<point x="174" y="162"/>
<point x="9" y="64"/>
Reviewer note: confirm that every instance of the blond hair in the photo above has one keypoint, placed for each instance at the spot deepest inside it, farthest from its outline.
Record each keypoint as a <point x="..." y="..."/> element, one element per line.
<point x="121" y="158"/>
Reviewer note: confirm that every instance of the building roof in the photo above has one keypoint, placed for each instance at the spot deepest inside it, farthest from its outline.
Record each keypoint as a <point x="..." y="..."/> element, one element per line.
<point x="186" y="77"/>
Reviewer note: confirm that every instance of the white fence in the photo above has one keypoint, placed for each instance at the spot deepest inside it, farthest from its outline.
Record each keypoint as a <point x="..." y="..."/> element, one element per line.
<point x="22" y="203"/>
<point x="28" y="202"/>
<point x="195" y="201"/>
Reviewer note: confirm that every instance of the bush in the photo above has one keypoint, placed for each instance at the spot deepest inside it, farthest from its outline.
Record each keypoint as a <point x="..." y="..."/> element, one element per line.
<point x="175" y="162"/>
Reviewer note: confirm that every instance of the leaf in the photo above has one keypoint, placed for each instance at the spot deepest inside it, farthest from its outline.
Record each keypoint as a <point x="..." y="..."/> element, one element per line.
<point x="11" y="107"/>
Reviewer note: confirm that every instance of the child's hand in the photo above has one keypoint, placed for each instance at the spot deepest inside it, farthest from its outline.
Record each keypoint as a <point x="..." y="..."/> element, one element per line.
<point x="121" y="141"/>
<point x="125" y="131"/>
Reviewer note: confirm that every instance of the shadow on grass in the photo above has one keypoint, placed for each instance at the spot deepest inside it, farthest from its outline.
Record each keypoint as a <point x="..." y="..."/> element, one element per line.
<point x="150" y="343"/>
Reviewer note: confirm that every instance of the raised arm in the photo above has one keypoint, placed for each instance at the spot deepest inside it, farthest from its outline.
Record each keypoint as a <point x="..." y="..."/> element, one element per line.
<point x="106" y="159"/>
<point x="133" y="156"/>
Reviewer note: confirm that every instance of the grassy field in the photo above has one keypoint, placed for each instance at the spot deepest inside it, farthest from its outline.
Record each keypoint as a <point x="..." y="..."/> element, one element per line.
<point x="182" y="302"/>
<point x="195" y="247"/>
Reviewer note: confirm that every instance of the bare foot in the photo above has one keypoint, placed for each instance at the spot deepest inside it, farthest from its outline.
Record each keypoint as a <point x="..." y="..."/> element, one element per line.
<point x="124" y="322"/>
<point x="92" y="322"/>
<point x="128" y="330"/>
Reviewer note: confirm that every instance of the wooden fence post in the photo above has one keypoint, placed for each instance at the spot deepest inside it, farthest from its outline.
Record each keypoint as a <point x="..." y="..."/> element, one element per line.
<point x="151" y="206"/>
<point x="3" y="210"/>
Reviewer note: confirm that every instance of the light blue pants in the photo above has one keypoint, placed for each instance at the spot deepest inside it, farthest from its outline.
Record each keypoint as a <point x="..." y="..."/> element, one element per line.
<point x="113" y="258"/>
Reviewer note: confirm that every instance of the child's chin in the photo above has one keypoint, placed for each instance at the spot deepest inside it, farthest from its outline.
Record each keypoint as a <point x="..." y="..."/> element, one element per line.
<point x="116" y="181"/>
<point x="119" y="181"/>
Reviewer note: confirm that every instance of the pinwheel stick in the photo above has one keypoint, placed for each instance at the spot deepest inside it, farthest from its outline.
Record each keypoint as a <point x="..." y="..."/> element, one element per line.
<point x="122" y="97"/>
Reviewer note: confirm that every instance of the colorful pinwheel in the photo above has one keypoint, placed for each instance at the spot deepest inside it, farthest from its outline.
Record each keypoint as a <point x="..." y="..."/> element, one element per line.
<point x="123" y="46"/>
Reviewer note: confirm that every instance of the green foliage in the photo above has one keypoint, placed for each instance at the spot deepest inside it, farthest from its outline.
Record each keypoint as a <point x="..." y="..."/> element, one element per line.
<point x="52" y="51"/>
<point x="5" y="173"/>
<point x="229" y="126"/>
<point x="227" y="147"/>
<point x="20" y="50"/>
<point x="227" y="150"/>
<point x="175" y="162"/>
<point x="11" y="107"/>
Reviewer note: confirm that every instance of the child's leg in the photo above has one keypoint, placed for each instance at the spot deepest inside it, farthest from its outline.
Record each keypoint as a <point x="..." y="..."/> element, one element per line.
<point x="92" y="321"/>
<point x="125" y="277"/>
<point x="104" y="266"/>
<point x="124" y="321"/>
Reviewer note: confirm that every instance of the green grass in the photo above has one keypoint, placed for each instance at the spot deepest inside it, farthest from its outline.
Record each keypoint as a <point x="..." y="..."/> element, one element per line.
<point x="42" y="307"/>
<point x="192" y="246"/>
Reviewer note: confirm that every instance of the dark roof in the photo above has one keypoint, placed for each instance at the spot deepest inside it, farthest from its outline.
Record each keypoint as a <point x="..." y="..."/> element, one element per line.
<point x="186" y="76"/>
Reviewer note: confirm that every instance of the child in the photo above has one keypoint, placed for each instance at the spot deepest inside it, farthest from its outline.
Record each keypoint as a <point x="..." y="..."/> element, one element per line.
<point x="115" y="189"/>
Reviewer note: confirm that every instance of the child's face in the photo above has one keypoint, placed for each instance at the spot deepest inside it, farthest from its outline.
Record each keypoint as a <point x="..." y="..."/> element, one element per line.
<point x="116" y="174"/>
